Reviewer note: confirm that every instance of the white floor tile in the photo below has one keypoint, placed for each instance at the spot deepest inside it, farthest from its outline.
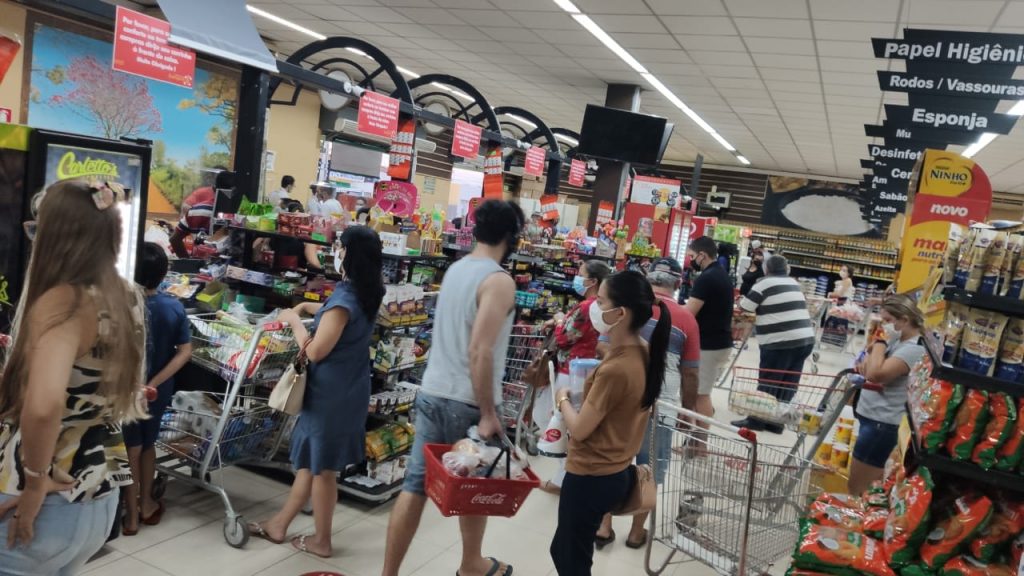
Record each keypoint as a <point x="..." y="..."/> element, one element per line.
<point x="176" y="521"/>
<point x="295" y="565"/>
<point x="128" y="565"/>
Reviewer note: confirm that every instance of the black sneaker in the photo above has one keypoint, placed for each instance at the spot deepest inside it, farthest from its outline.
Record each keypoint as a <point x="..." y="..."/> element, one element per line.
<point x="749" y="423"/>
<point x="773" y="428"/>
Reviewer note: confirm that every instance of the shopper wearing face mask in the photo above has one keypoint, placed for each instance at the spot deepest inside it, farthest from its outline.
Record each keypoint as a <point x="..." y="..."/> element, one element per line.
<point x="605" y="434"/>
<point x="755" y="271"/>
<point x="711" y="302"/>
<point x="574" y="337"/>
<point x="887" y="363"/>
<point x="844" y="286"/>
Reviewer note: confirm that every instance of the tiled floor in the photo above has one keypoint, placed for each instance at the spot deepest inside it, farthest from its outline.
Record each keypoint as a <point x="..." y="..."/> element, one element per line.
<point x="189" y="541"/>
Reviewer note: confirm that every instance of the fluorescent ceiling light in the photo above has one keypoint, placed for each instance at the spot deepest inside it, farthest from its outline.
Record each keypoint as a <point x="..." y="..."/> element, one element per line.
<point x="567" y="6"/>
<point x="1018" y="109"/>
<point x="725" y="144"/>
<point x="407" y="72"/>
<point x="983" y="141"/>
<point x="568" y="139"/>
<point x="358" y="51"/>
<point x="521" y="120"/>
<point x="286" y="23"/>
<point x="742" y="159"/>
<point x="607" y="40"/>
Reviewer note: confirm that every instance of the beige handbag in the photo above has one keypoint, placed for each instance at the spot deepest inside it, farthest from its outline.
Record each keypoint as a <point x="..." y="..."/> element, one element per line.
<point x="291" y="387"/>
<point x="644" y="494"/>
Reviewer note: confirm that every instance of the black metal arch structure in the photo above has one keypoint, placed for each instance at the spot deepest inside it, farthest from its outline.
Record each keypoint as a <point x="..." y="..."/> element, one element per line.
<point x="462" y="110"/>
<point x="570" y="151"/>
<point x="541" y="132"/>
<point x="384" y="66"/>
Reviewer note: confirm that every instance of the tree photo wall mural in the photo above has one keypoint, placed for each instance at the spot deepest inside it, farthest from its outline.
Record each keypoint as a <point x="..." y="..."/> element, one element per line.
<point x="72" y="88"/>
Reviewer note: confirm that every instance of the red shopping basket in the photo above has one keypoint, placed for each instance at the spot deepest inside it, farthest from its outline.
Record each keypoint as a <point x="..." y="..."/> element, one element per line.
<point x="458" y="496"/>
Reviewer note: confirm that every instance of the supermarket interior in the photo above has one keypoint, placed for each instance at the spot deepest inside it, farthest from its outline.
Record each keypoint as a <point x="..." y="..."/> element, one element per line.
<point x="825" y="192"/>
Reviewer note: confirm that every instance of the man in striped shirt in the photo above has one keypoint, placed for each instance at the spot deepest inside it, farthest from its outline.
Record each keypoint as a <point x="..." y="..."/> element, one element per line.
<point x="785" y="335"/>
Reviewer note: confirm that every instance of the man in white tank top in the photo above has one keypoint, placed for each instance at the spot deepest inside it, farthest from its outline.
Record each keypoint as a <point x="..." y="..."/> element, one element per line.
<point x="462" y="383"/>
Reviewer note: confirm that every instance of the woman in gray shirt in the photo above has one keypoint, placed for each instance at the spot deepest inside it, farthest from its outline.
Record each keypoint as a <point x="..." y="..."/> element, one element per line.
<point x="888" y="364"/>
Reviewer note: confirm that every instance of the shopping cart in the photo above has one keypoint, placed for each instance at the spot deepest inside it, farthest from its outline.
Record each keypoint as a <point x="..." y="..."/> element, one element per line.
<point x="204" y="432"/>
<point x="840" y="326"/>
<point x="727" y="501"/>
<point x="524" y="346"/>
<point x="742" y="329"/>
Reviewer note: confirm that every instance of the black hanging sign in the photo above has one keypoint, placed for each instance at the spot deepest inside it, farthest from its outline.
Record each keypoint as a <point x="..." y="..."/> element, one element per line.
<point x="907" y="153"/>
<point x="933" y="137"/>
<point x="946" y="119"/>
<point x="952" y="85"/>
<point x="966" y="48"/>
<point x="868" y="164"/>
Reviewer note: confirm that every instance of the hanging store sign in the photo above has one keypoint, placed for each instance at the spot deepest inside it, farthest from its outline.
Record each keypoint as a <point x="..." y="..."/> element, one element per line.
<point x="378" y="114"/>
<point x="948" y="119"/>
<point x="909" y="153"/>
<point x="142" y="48"/>
<point x="952" y="85"/>
<point x="466" y="139"/>
<point x="951" y="189"/>
<point x="963" y="47"/>
<point x="577" y="173"/>
<point x="923" y="136"/>
<point x="534" y="163"/>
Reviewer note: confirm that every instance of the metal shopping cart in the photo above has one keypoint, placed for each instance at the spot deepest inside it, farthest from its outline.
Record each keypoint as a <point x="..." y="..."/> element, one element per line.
<point x="742" y="329"/>
<point x="202" y="432"/>
<point x="525" y="345"/>
<point x="840" y="326"/>
<point x="728" y="502"/>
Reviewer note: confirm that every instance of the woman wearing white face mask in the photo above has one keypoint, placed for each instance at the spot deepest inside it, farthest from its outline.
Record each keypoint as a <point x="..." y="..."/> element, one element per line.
<point x="888" y="363"/>
<point x="574" y="337"/>
<point x="844" y="286"/>
<point x="605" y="434"/>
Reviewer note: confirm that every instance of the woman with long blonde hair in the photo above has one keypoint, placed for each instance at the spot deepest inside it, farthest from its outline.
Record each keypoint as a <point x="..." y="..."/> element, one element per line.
<point x="73" y="375"/>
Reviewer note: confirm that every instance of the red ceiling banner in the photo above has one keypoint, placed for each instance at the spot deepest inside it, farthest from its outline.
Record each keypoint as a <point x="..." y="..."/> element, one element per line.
<point x="378" y="114"/>
<point x="141" y="47"/>
<point x="577" y="173"/>
<point x="534" y="164"/>
<point x="466" y="139"/>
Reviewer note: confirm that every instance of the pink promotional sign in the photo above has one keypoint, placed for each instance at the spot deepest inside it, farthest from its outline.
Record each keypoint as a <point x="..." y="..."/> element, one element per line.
<point x="466" y="139"/>
<point x="396" y="197"/>
<point x="378" y="114"/>
<point x="141" y="47"/>
<point x="577" y="173"/>
<point x="534" y="163"/>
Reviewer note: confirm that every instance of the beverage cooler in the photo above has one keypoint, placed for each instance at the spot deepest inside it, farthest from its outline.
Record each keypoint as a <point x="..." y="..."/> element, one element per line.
<point x="32" y="159"/>
<point x="671" y="234"/>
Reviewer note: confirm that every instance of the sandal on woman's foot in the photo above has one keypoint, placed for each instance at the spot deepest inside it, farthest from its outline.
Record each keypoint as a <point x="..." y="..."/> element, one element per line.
<point x="257" y="530"/>
<point x="495" y="569"/>
<point x="154" y="518"/>
<point x="602" y="541"/>
<point x="299" y="543"/>
<point x="636" y="545"/>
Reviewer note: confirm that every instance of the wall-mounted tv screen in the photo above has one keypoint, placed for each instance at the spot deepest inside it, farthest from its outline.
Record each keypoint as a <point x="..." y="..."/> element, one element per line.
<point x="621" y="135"/>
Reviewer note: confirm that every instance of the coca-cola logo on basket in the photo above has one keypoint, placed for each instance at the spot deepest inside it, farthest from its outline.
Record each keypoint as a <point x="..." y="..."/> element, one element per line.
<point x="496" y="499"/>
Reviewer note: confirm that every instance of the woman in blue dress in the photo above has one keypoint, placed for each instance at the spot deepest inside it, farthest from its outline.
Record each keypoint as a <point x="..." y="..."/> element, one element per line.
<point x="330" y="432"/>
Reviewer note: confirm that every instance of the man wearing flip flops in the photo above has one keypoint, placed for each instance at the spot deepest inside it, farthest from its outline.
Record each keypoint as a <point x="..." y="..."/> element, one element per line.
<point x="462" y="383"/>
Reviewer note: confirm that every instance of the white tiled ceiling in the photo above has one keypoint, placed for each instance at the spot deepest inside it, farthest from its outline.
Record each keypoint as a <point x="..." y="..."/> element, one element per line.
<point x="790" y="83"/>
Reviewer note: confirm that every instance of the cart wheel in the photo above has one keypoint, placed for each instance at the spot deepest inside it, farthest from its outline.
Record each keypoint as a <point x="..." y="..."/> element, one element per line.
<point x="816" y="356"/>
<point x="236" y="533"/>
<point x="206" y="478"/>
<point x="159" y="486"/>
<point x="814" y="368"/>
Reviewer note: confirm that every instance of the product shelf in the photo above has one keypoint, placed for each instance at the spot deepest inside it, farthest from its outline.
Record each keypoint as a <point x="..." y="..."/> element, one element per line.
<point x="1001" y="304"/>
<point x="943" y="464"/>
<point x="966" y="377"/>
<point x="275" y="234"/>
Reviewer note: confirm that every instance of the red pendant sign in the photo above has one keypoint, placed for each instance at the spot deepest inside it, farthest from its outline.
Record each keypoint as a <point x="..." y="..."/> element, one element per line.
<point x="378" y="114"/>
<point x="534" y="164"/>
<point x="577" y="173"/>
<point x="466" y="139"/>
<point x="141" y="47"/>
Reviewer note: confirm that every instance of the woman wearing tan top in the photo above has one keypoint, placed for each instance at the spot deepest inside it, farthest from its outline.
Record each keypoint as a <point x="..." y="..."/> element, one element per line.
<point x="606" y="433"/>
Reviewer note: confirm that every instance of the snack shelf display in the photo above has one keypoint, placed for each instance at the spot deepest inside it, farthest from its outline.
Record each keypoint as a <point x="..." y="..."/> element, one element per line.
<point x="871" y="259"/>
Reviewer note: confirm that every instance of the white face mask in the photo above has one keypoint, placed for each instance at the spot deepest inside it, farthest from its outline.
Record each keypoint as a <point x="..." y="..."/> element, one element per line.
<point x="597" y="319"/>
<point x="844" y="274"/>
<point x="890" y="330"/>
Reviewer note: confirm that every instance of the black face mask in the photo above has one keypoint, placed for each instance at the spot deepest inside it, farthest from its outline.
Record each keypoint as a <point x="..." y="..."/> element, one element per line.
<point x="513" y="243"/>
<point x="694" y="264"/>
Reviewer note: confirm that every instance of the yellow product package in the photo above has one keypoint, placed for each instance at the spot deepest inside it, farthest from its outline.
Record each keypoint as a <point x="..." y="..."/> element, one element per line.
<point x="992" y="264"/>
<point x="982" y="335"/>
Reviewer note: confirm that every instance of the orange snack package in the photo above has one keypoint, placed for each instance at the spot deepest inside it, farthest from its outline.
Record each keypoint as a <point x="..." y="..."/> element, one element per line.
<point x="1000" y="428"/>
<point x="934" y="412"/>
<point x="962" y="522"/>
<point x="839" y="552"/>
<point x="874" y="521"/>
<point x="1006" y="522"/>
<point x="910" y="511"/>
<point x="970" y="423"/>
<point x="1009" y="455"/>
<point x="825" y="514"/>
<point x="967" y="566"/>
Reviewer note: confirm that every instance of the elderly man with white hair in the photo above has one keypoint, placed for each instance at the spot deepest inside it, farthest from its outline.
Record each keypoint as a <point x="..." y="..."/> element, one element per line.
<point x="785" y="335"/>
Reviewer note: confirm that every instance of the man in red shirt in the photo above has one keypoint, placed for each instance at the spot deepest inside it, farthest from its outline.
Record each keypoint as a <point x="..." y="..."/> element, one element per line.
<point x="197" y="211"/>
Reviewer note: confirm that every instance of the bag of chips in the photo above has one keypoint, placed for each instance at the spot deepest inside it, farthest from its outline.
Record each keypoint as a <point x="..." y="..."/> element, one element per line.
<point x="874" y="521"/>
<point x="839" y="552"/>
<point x="838" y="516"/>
<point x="1001" y="425"/>
<point x="992" y="264"/>
<point x="893" y="471"/>
<point x="934" y="412"/>
<point x="961" y="522"/>
<point x="980" y="346"/>
<point x="967" y="566"/>
<point x="907" y="525"/>
<point x="1014" y="243"/>
<point x="1011" y="352"/>
<point x="1010" y="454"/>
<point x="794" y="571"/>
<point x="970" y="422"/>
<point x="916" y="570"/>
<point x="875" y="497"/>
<point x="842" y="500"/>
<point x="1007" y="521"/>
<point x="953" y="331"/>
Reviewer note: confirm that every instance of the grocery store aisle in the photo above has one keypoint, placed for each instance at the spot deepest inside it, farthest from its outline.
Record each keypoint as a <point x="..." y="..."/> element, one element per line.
<point x="188" y="542"/>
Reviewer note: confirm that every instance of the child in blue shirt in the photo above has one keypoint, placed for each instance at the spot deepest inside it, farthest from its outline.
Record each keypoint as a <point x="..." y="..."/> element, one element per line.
<point x="168" y="348"/>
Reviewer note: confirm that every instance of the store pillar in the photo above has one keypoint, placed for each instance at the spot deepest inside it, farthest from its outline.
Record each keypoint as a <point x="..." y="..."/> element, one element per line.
<point x="254" y="97"/>
<point x="611" y="175"/>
